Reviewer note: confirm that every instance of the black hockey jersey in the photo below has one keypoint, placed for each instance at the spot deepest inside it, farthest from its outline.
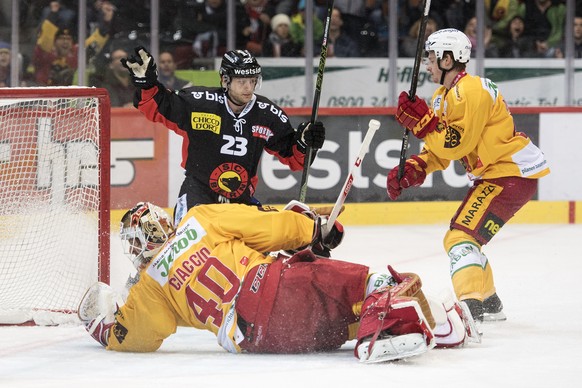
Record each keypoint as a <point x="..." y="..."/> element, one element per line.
<point x="221" y="150"/>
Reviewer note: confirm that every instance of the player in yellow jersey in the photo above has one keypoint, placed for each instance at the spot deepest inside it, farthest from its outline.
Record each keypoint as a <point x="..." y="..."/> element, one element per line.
<point x="469" y="121"/>
<point x="212" y="273"/>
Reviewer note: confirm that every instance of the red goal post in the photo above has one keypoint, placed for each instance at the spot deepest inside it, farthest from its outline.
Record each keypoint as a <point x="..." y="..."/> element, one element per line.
<point x="54" y="200"/>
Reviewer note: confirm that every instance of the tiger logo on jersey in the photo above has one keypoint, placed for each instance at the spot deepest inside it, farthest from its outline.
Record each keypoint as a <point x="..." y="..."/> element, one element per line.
<point x="229" y="180"/>
<point x="119" y="331"/>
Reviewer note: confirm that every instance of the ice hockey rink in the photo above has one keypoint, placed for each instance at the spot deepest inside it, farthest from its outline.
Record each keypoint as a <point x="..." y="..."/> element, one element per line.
<point x="537" y="268"/>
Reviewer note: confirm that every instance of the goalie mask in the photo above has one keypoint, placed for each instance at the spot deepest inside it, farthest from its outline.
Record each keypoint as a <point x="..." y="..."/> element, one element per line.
<point x="144" y="230"/>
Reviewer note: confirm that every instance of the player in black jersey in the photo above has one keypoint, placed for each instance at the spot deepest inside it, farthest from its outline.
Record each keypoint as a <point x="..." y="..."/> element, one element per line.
<point x="225" y="129"/>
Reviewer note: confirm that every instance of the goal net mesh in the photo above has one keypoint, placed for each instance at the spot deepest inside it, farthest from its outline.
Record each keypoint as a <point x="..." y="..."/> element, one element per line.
<point x="51" y="202"/>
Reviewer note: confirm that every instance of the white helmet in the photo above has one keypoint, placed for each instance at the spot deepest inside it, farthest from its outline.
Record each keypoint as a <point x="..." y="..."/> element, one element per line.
<point x="144" y="230"/>
<point x="452" y="40"/>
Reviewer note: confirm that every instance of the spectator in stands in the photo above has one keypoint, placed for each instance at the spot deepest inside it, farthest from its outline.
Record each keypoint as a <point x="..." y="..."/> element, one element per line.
<point x="578" y="35"/>
<point x="167" y="72"/>
<point x="544" y="24"/>
<point x="517" y="45"/>
<point x="298" y="29"/>
<point x="353" y="14"/>
<point x="288" y="7"/>
<point x="66" y="16"/>
<point x="340" y="44"/>
<point x="5" y="66"/>
<point x="279" y="42"/>
<point x="410" y="11"/>
<point x="135" y="16"/>
<point x="491" y="50"/>
<point x="56" y="63"/>
<point x="409" y="43"/>
<point x="55" y="59"/>
<point x="500" y="13"/>
<point x="106" y="22"/>
<point x="259" y="13"/>
<point x="117" y="81"/>
<point x="204" y="24"/>
<point x="378" y="18"/>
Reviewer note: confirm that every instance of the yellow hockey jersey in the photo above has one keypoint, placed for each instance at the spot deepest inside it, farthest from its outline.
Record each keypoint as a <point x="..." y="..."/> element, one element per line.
<point x="195" y="278"/>
<point x="476" y="128"/>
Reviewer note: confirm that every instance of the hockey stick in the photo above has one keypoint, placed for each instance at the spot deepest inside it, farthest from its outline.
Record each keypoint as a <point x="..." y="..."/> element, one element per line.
<point x="316" y="97"/>
<point x="373" y="126"/>
<point x="413" y="83"/>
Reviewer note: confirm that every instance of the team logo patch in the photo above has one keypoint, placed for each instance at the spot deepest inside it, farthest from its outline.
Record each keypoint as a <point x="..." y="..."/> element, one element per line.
<point x="262" y="132"/>
<point x="205" y="122"/>
<point x="229" y="180"/>
<point x="490" y="226"/>
<point x="119" y="331"/>
<point x="452" y="137"/>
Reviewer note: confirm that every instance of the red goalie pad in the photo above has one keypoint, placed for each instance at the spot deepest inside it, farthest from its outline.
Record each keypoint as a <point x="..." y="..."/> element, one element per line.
<point x="388" y="315"/>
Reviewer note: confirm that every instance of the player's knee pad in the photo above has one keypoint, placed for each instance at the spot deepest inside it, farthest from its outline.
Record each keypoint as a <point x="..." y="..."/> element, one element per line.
<point x="455" y="236"/>
<point x="463" y="250"/>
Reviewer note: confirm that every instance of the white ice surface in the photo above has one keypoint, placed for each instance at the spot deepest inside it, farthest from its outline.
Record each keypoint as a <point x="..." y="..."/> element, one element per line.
<point x="538" y="276"/>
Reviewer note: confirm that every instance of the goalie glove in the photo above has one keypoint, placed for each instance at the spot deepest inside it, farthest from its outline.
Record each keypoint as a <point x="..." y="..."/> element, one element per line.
<point x="97" y="311"/>
<point x="142" y="68"/>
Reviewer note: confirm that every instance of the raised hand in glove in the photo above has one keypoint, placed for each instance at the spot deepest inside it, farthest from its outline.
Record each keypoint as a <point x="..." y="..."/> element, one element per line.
<point x="414" y="175"/>
<point x="416" y="115"/>
<point x="312" y="134"/>
<point x="142" y="68"/>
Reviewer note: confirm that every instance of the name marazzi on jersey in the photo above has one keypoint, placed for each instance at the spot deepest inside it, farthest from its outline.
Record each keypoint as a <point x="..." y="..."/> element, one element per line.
<point x="219" y="97"/>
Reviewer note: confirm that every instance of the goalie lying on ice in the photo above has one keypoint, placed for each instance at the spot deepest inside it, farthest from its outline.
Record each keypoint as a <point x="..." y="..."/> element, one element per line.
<point x="210" y="274"/>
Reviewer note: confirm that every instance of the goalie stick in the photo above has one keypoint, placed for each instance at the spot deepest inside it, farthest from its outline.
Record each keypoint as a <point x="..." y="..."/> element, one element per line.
<point x="373" y="126"/>
<point x="413" y="84"/>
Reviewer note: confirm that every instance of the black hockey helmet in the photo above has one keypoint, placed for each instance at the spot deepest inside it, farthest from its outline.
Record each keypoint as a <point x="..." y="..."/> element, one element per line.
<point x="239" y="63"/>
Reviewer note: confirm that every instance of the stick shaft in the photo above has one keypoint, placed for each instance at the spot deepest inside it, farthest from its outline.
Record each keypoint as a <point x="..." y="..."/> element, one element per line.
<point x="373" y="126"/>
<point x="316" y="97"/>
<point x="414" y="83"/>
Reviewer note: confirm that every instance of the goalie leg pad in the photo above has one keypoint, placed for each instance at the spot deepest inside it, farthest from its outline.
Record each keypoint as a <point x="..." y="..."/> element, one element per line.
<point x="386" y="318"/>
<point x="392" y="348"/>
<point x="409" y="284"/>
<point x="453" y="326"/>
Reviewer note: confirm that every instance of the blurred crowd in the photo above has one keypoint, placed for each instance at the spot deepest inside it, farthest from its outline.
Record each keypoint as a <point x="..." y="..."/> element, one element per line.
<point x="194" y="30"/>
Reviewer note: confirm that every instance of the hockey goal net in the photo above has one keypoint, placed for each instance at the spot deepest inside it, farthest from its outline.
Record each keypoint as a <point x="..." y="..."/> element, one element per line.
<point x="54" y="201"/>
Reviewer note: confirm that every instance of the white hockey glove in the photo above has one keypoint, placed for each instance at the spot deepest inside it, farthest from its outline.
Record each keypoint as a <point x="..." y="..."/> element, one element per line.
<point x="142" y="68"/>
<point x="97" y="311"/>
